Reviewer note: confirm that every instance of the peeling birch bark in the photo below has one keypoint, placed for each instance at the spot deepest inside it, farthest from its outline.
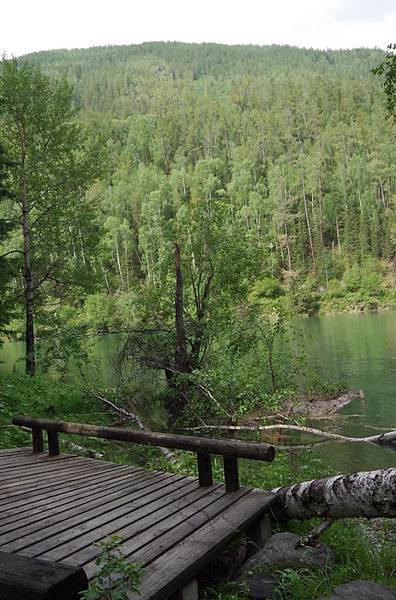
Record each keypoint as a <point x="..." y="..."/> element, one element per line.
<point x="368" y="494"/>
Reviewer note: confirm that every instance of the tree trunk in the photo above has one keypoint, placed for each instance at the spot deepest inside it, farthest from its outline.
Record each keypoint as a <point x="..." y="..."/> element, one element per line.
<point x="181" y="358"/>
<point x="367" y="494"/>
<point x="307" y="219"/>
<point x="178" y="399"/>
<point x="28" y="287"/>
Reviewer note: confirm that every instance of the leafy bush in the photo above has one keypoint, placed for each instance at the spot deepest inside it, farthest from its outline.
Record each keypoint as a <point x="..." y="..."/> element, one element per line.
<point x="268" y="287"/>
<point x="116" y="576"/>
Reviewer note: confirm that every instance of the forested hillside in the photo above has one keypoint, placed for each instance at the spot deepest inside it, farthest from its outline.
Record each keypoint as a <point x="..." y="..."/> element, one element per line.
<point x="274" y="168"/>
<point x="293" y="144"/>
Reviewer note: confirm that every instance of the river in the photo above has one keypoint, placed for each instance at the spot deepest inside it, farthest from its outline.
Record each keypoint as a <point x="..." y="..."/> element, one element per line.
<point x="359" y="349"/>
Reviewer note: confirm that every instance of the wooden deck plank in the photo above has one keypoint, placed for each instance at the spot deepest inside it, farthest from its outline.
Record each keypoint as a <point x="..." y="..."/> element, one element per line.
<point x="7" y="451"/>
<point x="131" y="524"/>
<point x="83" y="521"/>
<point x="85" y="500"/>
<point x="43" y="502"/>
<point x="48" y="466"/>
<point x="81" y="534"/>
<point x="177" y="566"/>
<point x="146" y="545"/>
<point x="152" y="543"/>
<point x="32" y="460"/>
<point x="29" y="472"/>
<point x="10" y="488"/>
<point x="60" y="515"/>
<point x="22" y="496"/>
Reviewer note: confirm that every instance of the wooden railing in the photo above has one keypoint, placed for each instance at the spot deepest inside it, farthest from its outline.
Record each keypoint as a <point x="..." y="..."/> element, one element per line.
<point x="230" y="450"/>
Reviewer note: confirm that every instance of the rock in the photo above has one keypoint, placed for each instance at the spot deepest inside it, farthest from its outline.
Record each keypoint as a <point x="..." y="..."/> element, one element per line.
<point x="362" y="590"/>
<point x="259" y="587"/>
<point x="280" y="552"/>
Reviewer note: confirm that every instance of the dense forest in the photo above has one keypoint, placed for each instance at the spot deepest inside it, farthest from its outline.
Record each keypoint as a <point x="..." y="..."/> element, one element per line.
<point x="292" y="146"/>
<point x="271" y="170"/>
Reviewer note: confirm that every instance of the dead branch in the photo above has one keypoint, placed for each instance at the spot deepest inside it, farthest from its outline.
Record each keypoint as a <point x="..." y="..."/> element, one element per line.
<point x="383" y="438"/>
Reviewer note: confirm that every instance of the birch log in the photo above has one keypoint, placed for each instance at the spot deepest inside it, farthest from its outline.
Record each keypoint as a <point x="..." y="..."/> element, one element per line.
<point x="366" y="494"/>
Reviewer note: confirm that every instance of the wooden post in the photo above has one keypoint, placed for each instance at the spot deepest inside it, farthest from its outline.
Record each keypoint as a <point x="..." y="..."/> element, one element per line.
<point x="53" y="443"/>
<point x="231" y="476"/>
<point x="38" y="440"/>
<point x="204" y="469"/>
<point x="189" y="592"/>
<point x="258" y="534"/>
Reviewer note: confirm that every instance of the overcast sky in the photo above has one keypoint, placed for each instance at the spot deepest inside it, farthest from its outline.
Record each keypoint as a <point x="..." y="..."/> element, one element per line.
<point x="30" y="25"/>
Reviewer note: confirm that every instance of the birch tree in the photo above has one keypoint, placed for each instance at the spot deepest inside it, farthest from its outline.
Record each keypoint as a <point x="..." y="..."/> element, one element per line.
<point x="51" y="170"/>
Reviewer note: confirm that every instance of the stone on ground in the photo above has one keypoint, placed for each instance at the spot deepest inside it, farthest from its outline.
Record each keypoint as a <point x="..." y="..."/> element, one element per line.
<point x="259" y="587"/>
<point x="282" y="552"/>
<point x="362" y="590"/>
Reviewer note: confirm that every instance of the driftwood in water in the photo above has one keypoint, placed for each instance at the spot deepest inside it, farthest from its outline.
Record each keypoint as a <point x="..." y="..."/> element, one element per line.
<point x="320" y="406"/>
<point x="367" y="494"/>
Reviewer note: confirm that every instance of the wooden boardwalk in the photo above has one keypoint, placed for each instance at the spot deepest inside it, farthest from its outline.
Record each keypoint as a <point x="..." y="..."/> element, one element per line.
<point x="56" y="508"/>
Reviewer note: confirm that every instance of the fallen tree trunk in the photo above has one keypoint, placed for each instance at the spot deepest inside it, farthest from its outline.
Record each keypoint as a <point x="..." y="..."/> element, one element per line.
<point x="367" y="494"/>
<point x="383" y="438"/>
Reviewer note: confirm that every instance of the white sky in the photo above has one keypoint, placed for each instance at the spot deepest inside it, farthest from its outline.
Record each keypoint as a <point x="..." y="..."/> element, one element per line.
<point x="30" y="25"/>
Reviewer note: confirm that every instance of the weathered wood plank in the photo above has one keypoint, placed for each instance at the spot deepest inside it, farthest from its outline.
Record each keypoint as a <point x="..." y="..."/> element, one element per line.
<point x="6" y="451"/>
<point x="29" y="472"/>
<point x="148" y="545"/>
<point x="130" y="525"/>
<point x="56" y="533"/>
<point x="179" y="565"/>
<point x="12" y="486"/>
<point x="39" y="530"/>
<point x="85" y="501"/>
<point x="50" y="471"/>
<point x="20" y="496"/>
<point x="31" y="504"/>
<point x="39" y="503"/>
<point x="25" y="460"/>
<point x="29" y="579"/>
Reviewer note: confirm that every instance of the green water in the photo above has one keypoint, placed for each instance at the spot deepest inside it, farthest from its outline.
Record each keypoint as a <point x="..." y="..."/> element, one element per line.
<point x="360" y="349"/>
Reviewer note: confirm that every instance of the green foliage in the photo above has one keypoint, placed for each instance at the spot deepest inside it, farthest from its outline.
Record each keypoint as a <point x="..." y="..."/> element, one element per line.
<point x="352" y="278"/>
<point x="100" y="310"/>
<point x="6" y="261"/>
<point x="387" y="69"/>
<point x="116" y="576"/>
<point x="268" y="288"/>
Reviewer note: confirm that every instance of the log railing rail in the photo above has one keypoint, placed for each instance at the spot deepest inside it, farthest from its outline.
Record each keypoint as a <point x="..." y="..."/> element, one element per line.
<point x="231" y="450"/>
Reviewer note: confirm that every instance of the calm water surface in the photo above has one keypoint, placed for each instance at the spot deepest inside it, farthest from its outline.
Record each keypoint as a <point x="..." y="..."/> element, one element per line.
<point x="359" y="349"/>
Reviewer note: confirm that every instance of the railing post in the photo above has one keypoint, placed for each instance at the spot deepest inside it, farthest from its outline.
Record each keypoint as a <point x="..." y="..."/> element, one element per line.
<point x="204" y="469"/>
<point x="231" y="475"/>
<point x="38" y="440"/>
<point x="53" y="443"/>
